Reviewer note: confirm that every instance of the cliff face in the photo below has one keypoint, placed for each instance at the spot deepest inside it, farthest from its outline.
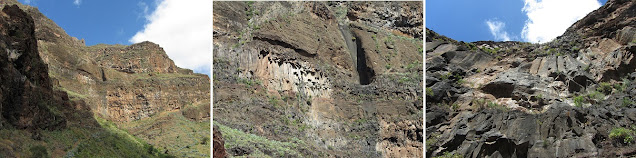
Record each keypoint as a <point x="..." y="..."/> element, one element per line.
<point x="571" y="97"/>
<point x="318" y="78"/>
<point x="53" y="81"/>
<point x="28" y="98"/>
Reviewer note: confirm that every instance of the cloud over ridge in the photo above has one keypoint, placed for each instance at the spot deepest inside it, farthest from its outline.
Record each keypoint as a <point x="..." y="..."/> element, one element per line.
<point x="184" y="30"/>
<point x="497" y="29"/>
<point x="548" y="19"/>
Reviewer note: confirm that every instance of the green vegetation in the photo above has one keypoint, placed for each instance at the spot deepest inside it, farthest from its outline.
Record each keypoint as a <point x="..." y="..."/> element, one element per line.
<point x="578" y="101"/>
<point x="39" y="151"/>
<point x="173" y="124"/>
<point x="274" y="102"/>
<point x="249" y="82"/>
<point x="623" y="135"/>
<point x="623" y="86"/>
<point x="472" y="46"/>
<point x="605" y="88"/>
<point x="389" y="40"/>
<point x="430" y="141"/>
<point x="404" y="79"/>
<point x="340" y="13"/>
<point x="551" y="51"/>
<point x="460" y="81"/>
<point x="494" y="105"/>
<point x="480" y="103"/>
<point x="445" y="76"/>
<point x="162" y="76"/>
<point x="627" y="101"/>
<point x="413" y="65"/>
<point x="104" y="140"/>
<point x="375" y="40"/>
<point x="596" y="95"/>
<point x="250" y="10"/>
<point x="387" y="66"/>
<point x="429" y="92"/>
<point x="455" y="106"/>
<point x="492" y="51"/>
<point x="259" y="145"/>
<point x="587" y="68"/>
<point x="71" y="94"/>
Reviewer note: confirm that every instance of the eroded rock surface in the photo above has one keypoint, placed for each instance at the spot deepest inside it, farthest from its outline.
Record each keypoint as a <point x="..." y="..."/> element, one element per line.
<point x="322" y="79"/>
<point x="566" y="98"/>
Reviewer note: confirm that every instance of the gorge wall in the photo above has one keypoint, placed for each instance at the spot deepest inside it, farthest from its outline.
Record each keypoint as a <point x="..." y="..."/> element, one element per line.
<point x="318" y="78"/>
<point x="55" y="90"/>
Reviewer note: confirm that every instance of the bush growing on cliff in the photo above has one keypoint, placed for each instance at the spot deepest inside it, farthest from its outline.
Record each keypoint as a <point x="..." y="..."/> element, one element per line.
<point x="605" y="88"/>
<point x="578" y="101"/>
<point x="429" y="92"/>
<point x="622" y="135"/>
<point x="596" y="96"/>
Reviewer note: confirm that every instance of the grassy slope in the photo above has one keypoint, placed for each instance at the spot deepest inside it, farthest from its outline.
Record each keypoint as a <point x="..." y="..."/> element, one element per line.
<point x="236" y="138"/>
<point x="171" y="131"/>
<point x="104" y="141"/>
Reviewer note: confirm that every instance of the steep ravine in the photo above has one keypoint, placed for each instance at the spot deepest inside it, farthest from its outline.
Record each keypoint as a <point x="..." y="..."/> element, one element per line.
<point x="98" y="101"/>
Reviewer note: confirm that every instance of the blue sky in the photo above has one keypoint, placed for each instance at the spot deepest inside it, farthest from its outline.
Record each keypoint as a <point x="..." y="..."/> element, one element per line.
<point x="182" y="28"/>
<point x="501" y="20"/>
<point x="109" y="22"/>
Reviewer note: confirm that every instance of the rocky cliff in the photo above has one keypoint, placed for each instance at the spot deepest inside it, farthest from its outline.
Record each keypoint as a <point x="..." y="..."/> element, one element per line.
<point x="316" y="79"/>
<point x="53" y="81"/>
<point x="571" y="97"/>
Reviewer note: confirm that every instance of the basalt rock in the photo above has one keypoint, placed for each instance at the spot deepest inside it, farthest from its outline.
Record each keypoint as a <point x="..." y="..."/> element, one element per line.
<point x="563" y="98"/>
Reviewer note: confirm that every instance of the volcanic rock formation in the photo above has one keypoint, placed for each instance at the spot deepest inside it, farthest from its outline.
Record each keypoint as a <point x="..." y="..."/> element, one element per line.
<point x="571" y="97"/>
<point x="317" y="79"/>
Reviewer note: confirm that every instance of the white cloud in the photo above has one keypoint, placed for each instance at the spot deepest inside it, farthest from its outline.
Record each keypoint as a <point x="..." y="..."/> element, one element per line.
<point x="497" y="29"/>
<point x="77" y="2"/>
<point x="27" y="1"/>
<point x="184" y="30"/>
<point x="548" y="19"/>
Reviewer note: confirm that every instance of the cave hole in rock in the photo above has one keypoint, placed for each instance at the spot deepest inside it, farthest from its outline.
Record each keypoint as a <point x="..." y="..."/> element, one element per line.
<point x="365" y="73"/>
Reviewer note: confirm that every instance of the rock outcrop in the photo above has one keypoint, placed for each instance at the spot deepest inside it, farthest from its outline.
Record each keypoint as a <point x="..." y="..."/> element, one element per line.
<point x="321" y="79"/>
<point x="219" y="144"/>
<point x="27" y="97"/>
<point x="571" y="97"/>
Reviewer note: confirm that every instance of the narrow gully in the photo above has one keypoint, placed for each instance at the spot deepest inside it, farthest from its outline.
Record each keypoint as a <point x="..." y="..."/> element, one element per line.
<point x="354" y="44"/>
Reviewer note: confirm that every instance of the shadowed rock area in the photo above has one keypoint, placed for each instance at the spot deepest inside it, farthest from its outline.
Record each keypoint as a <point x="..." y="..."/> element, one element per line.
<point x="571" y="97"/>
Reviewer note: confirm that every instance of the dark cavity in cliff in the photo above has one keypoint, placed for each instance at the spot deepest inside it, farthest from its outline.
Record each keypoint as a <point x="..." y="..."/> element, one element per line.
<point x="354" y="44"/>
